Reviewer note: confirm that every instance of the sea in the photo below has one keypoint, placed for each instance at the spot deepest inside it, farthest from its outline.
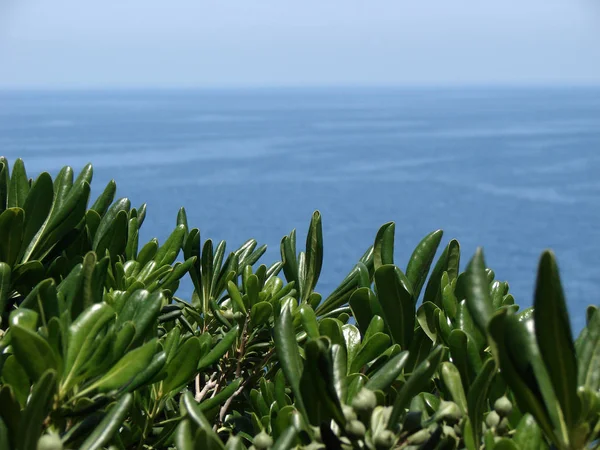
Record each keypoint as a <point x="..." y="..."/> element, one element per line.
<point x="515" y="170"/>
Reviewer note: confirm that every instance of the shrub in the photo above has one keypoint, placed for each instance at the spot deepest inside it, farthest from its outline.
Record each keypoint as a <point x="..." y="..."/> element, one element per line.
<point x="99" y="352"/>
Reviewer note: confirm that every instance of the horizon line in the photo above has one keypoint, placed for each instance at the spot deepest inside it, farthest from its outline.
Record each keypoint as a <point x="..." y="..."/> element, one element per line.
<point x="295" y="86"/>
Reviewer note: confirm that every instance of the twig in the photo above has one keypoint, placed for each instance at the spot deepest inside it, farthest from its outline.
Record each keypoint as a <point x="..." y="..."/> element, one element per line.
<point x="239" y="390"/>
<point x="211" y="383"/>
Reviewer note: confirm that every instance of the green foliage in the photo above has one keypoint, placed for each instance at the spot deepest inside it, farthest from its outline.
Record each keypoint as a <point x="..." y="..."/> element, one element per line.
<point x="97" y="351"/>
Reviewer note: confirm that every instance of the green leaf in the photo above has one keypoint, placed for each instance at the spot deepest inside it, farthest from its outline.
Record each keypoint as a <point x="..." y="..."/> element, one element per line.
<point x="384" y="377"/>
<point x="32" y="351"/>
<point x="288" y="353"/>
<point x="448" y="262"/>
<point x="11" y="230"/>
<point x="464" y="322"/>
<point x="369" y="351"/>
<point x="453" y="382"/>
<point x="397" y="304"/>
<point x="182" y="368"/>
<point x="197" y="417"/>
<point x="104" y="432"/>
<point x="126" y="368"/>
<point x="10" y="412"/>
<point x="36" y="207"/>
<point x="60" y="221"/>
<point x="4" y="182"/>
<point x="142" y="308"/>
<point x="478" y="396"/>
<point x="43" y="299"/>
<point x="62" y="186"/>
<point x="4" y="435"/>
<point x="19" y="185"/>
<point x="36" y="410"/>
<point x="314" y="254"/>
<point x="458" y="344"/>
<point x="352" y="342"/>
<point x="477" y="292"/>
<point x="104" y="200"/>
<point x="149" y="374"/>
<point x="513" y="350"/>
<point x="415" y="383"/>
<point x="420" y="261"/>
<point x="220" y="349"/>
<point x="286" y="439"/>
<point x="317" y="385"/>
<point x="553" y="333"/>
<point x="505" y="444"/>
<point x="528" y="434"/>
<point x="82" y="336"/>
<point x="383" y="249"/>
<point x="260" y="314"/>
<point x="309" y="321"/>
<point x="221" y="397"/>
<point x="377" y="325"/>
<point x="332" y="328"/>
<point x="288" y="258"/>
<point x="14" y="375"/>
<point x="427" y="320"/>
<point x="236" y="298"/>
<point x="108" y="221"/>
<point x="589" y="355"/>
<point x="360" y="302"/>
<point x="5" y="272"/>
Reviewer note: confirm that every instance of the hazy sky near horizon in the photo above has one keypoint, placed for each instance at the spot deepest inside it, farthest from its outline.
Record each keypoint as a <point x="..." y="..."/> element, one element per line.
<point x="75" y="43"/>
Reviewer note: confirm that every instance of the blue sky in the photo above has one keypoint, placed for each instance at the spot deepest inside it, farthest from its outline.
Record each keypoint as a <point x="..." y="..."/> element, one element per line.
<point x="75" y="43"/>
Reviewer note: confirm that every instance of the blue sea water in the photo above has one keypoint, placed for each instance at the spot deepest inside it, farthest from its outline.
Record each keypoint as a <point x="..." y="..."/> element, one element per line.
<point x="514" y="170"/>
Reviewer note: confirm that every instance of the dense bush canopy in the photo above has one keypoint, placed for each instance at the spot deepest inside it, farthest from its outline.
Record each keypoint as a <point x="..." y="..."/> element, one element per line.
<point x="98" y="351"/>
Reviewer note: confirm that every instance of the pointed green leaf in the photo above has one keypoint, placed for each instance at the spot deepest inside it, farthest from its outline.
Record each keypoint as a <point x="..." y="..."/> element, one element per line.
<point x="106" y="429"/>
<point x="36" y="410"/>
<point x="553" y="333"/>
<point x="397" y="304"/>
<point x="104" y="200"/>
<point x="19" y="185"/>
<point x="11" y="230"/>
<point x="420" y="261"/>
<point x="453" y="382"/>
<point x="478" y="396"/>
<point x="288" y="353"/>
<point x="370" y="350"/>
<point x="477" y="291"/>
<point x="32" y="351"/>
<point x="360" y="302"/>
<point x="589" y="355"/>
<point x="182" y="368"/>
<point x="220" y="349"/>
<point x="384" y="377"/>
<point x="126" y="368"/>
<point x="314" y="253"/>
<point x="415" y="383"/>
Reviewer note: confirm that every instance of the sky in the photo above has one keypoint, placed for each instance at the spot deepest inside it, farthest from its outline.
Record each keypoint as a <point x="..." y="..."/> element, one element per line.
<point x="199" y="43"/>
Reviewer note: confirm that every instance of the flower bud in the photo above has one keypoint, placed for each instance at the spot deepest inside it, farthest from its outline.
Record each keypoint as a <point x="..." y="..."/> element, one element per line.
<point x="449" y="411"/>
<point x="420" y="437"/>
<point x="356" y="429"/>
<point x="365" y="401"/>
<point x="349" y="413"/>
<point x="503" y="406"/>
<point x="492" y="420"/>
<point x="384" y="440"/>
<point x="262" y="441"/>
<point x="49" y="442"/>
<point x="502" y="426"/>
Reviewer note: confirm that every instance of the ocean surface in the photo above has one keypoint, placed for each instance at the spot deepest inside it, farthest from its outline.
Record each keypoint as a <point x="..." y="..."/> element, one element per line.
<point x="514" y="170"/>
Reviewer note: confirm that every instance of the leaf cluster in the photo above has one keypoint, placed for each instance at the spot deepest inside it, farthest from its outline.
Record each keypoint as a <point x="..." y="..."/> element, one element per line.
<point x="98" y="351"/>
